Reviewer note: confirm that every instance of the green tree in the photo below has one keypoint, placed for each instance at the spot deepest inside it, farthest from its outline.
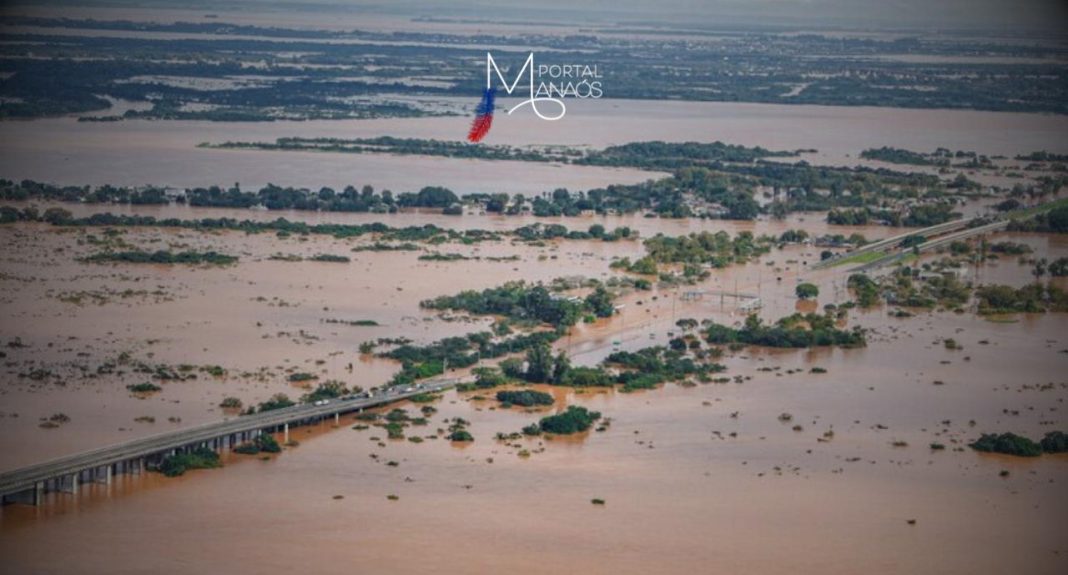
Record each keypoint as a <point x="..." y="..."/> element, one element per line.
<point x="686" y="324"/>
<point x="512" y="367"/>
<point x="600" y="302"/>
<point x="539" y="364"/>
<point x="277" y="401"/>
<point x="57" y="216"/>
<point x="560" y="368"/>
<point x="574" y="420"/>
<point x="327" y="390"/>
<point x="1007" y="443"/>
<point x="807" y="291"/>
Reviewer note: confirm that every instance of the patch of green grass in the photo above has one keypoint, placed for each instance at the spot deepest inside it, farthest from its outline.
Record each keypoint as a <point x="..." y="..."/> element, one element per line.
<point x="861" y="258"/>
<point x="1026" y="213"/>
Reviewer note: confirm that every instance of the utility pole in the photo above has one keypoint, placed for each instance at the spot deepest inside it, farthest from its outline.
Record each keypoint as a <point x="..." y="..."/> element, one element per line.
<point x="674" y="300"/>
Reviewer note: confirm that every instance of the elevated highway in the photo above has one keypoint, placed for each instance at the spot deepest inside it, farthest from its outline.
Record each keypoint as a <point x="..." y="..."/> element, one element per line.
<point x="28" y="484"/>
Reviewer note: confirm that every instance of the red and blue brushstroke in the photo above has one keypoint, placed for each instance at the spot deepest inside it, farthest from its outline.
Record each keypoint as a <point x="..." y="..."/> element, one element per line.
<point x="483" y="116"/>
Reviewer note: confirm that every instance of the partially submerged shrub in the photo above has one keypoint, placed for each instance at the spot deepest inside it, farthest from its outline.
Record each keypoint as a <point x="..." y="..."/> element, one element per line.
<point x="1007" y="443"/>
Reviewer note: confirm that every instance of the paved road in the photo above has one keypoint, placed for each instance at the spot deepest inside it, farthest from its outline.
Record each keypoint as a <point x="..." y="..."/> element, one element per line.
<point x="936" y="243"/>
<point x="25" y="478"/>
<point x="893" y="241"/>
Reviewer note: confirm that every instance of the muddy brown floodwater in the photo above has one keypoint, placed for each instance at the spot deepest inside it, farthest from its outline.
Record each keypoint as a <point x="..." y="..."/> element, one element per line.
<point x="702" y="479"/>
<point x="695" y="479"/>
<point x="140" y="152"/>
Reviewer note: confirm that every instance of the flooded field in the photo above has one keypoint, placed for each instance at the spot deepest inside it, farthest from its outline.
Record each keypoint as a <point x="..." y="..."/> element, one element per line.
<point x="142" y="152"/>
<point x="694" y="478"/>
<point x="678" y="499"/>
<point x="136" y="153"/>
<point x="819" y="460"/>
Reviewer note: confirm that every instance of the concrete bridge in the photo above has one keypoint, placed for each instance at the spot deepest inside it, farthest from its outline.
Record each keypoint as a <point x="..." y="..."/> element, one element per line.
<point x="28" y="484"/>
<point x="893" y="242"/>
<point x="889" y="250"/>
<point x="936" y="243"/>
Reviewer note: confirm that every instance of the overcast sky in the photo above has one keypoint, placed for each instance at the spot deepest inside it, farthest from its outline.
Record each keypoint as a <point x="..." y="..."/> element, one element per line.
<point x="996" y="14"/>
<point x="1000" y="15"/>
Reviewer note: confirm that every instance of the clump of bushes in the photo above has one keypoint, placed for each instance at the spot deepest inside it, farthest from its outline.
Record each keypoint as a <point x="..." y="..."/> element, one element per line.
<point x="264" y="443"/>
<point x="144" y="387"/>
<point x="394" y="430"/>
<point x="327" y="390"/>
<point x="461" y="435"/>
<point x="277" y="401"/>
<point x="1032" y="298"/>
<point x="55" y="420"/>
<point x="458" y="430"/>
<point x="525" y="398"/>
<point x="330" y="258"/>
<point x="163" y="257"/>
<point x="230" y="403"/>
<point x="794" y="331"/>
<point x="866" y="290"/>
<point x="1055" y="442"/>
<point x="1007" y="443"/>
<point x="300" y="377"/>
<point x="574" y="420"/>
<point x="199" y="458"/>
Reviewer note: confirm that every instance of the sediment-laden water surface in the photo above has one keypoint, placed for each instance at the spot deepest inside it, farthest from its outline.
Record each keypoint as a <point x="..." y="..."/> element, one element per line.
<point x="824" y="459"/>
<point x="693" y="478"/>
<point x="142" y="152"/>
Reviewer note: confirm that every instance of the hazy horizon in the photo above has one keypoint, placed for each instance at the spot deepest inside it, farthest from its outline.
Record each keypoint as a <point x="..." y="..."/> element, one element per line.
<point x="1003" y="16"/>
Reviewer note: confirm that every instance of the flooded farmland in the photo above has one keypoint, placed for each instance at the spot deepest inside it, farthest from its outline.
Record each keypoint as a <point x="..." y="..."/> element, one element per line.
<point x="137" y="153"/>
<point x="702" y="471"/>
<point x="128" y="318"/>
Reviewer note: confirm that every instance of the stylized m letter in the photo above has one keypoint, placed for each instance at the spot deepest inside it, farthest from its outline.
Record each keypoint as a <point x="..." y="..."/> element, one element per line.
<point x="528" y="67"/>
<point x="491" y="66"/>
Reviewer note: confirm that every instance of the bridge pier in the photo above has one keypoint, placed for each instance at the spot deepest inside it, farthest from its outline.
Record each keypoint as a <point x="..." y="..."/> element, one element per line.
<point x="31" y="484"/>
<point x="100" y="475"/>
<point x="31" y="496"/>
<point x="73" y="483"/>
